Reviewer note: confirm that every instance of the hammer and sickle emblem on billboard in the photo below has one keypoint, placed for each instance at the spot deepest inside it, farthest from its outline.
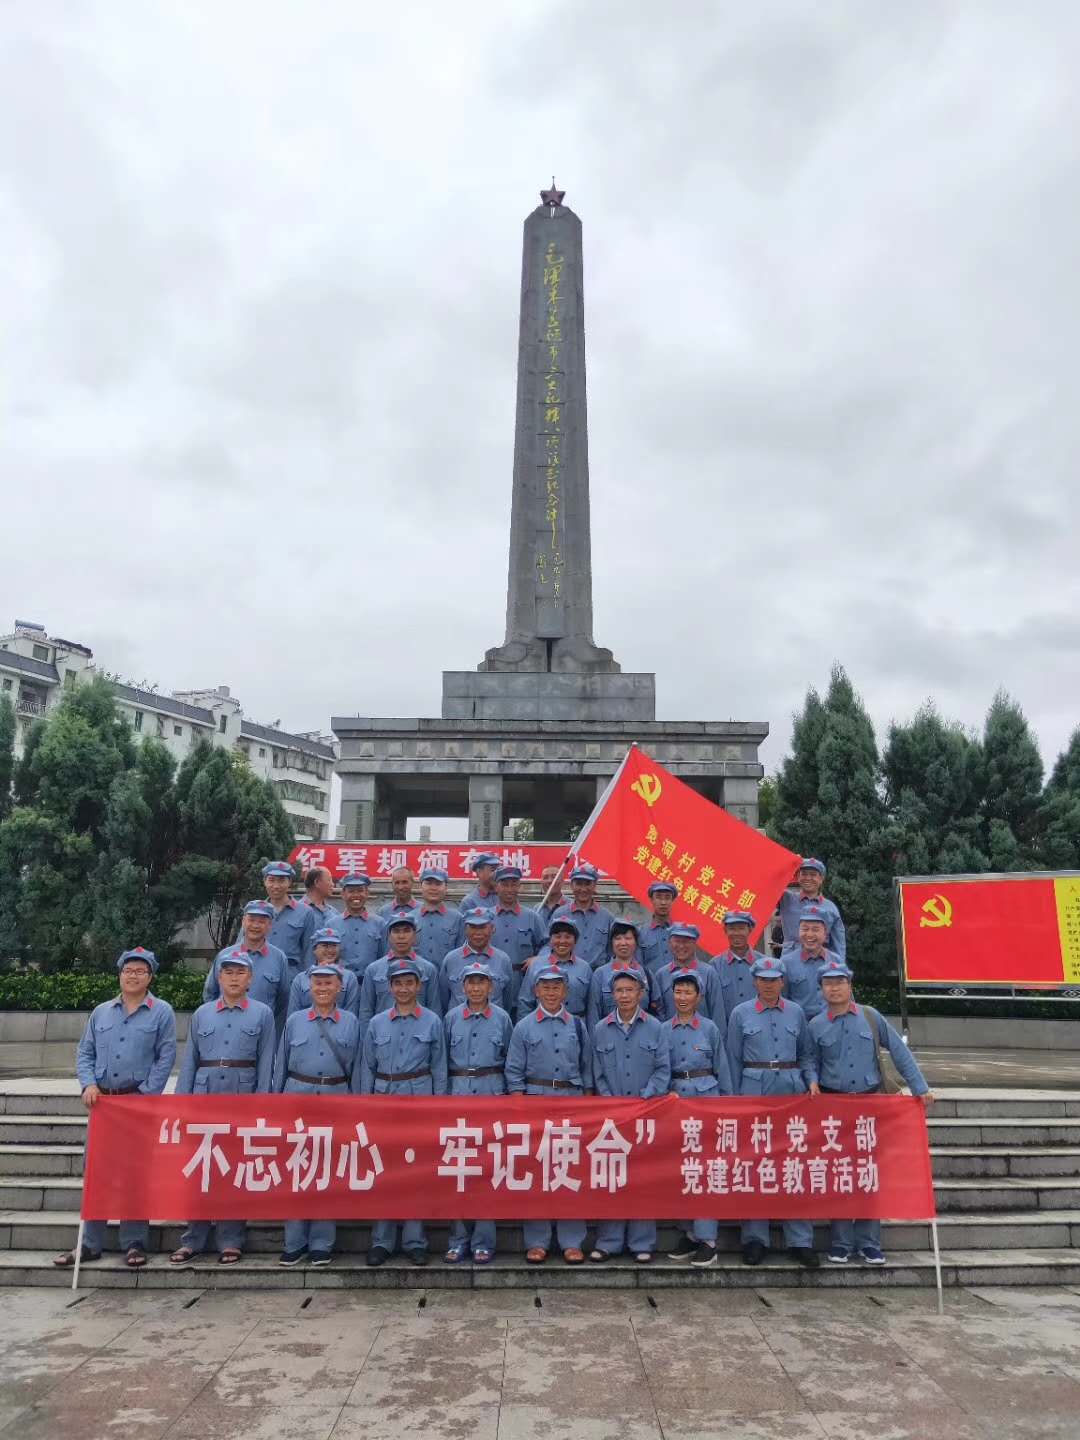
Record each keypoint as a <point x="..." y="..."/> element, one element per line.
<point x="936" y="913"/>
<point x="648" y="787"/>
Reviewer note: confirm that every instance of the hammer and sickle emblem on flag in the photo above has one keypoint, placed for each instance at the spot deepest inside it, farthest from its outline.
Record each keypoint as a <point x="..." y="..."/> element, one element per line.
<point x="936" y="913"/>
<point x="648" y="787"/>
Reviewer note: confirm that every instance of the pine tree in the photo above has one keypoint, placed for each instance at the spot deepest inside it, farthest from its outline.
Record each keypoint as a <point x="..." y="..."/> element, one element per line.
<point x="932" y="771"/>
<point x="828" y="804"/>
<point x="1012" y="786"/>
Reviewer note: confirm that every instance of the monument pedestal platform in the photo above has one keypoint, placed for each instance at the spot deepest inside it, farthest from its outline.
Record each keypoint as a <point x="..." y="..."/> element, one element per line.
<point x="549" y="771"/>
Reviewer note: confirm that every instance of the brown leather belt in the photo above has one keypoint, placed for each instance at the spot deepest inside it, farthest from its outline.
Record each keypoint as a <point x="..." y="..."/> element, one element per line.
<point x="689" y="1074"/>
<point x="828" y="1090"/>
<point x="226" y="1065"/>
<point x="118" y="1090"/>
<point x="551" y="1084"/>
<point x="402" y="1075"/>
<point x="772" y="1065"/>
<point x="473" y="1071"/>
<point x="318" y="1079"/>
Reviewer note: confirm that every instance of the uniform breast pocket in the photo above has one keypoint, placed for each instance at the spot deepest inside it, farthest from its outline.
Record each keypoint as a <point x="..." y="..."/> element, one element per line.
<point x="605" y="1044"/>
<point x="204" y="1029"/>
<point x="251" y="1032"/>
<point x="752" y="1031"/>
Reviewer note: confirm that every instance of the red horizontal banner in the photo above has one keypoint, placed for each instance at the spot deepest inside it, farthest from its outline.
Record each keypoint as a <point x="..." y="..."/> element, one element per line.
<point x="273" y="1157"/>
<point x="1021" y="930"/>
<point x="378" y="858"/>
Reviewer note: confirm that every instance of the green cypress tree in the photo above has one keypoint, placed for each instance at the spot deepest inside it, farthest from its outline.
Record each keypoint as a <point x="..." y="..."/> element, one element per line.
<point x="1059" y="811"/>
<point x="1012" y="787"/>
<point x="7" y="754"/>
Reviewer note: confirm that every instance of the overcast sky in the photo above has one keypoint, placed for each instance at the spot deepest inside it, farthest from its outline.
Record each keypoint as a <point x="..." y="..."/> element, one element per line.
<point x="261" y="269"/>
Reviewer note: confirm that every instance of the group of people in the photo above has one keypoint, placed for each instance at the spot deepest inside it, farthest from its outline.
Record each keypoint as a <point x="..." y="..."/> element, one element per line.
<point x="423" y="998"/>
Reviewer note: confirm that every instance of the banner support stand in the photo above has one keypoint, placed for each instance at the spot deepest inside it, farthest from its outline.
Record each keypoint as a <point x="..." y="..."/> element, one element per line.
<point x="78" y="1253"/>
<point x="937" y="1267"/>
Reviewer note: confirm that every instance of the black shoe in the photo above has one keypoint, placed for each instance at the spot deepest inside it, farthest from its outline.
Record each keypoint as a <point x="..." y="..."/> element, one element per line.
<point x="377" y="1256"/>
<point x="319" y="1257"/>
<point x="685" y="1250"/>
<point x="292" y="1257"/>
<point x="753" y="1252"/>
<point x="704" y="1256"/>
<point x="418" y="1255"/>
<point x="808" y="1259"/>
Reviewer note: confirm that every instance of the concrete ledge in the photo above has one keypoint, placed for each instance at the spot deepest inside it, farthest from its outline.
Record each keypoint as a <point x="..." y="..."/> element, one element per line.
<point x="39" y="1027"/>
<point x="973" y="1032"/>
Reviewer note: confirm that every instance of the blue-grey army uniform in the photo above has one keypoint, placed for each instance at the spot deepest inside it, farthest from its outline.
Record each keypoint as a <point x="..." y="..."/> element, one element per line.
<point x="376" y="995"/>
<point x="629" y="1059"/>
<point x="349" y="999"/>
<point x="803" y="975"/>
<point x="712" y="998"/>
<point x="454" y="968"/>
<point x="126" y="1053"/>
<point x="476" y="1045"/>
<point x="403" y="1054"/>
<point x="594" y="922"/>
<point x="653" y="935"/>
<point x="699" y="1070"/>
<point x="550" y="1054"/>
<point x="325" y="917"/>
<point x="601" y="1000"/>
<point x="733" y="971"/>
<point x="769" y="1053"/>
<point x="291" y="926"/>
<point x="363" y="936"/>
<point x="518" y="931"/>
<point x="317" y="1055"/>
<point x="476" y="896"/>
<point x="794" y="906"/>
<point x="270" y="978"/>
<point x="392" y="907"/>
<point x="846" y="1054"/>
<point x="577" y="972"/>
<point x="230" y="1051"/>
<point x="439" y="928"/>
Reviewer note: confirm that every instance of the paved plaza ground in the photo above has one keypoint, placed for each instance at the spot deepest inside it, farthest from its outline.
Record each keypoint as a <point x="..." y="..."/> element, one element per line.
<point x="742" y="1365"/>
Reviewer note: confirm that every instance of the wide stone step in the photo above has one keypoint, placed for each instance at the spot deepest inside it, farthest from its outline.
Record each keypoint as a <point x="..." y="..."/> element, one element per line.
<point x="41" y="1160"/>
<point x="1033" y="1230"/>
<point x="958" y="1267"/>
<point x="967" y="1195"/>
<point x="1034" y="1131"/>
<point x="989" y="1161"/>
<point x="42" y="1129"/>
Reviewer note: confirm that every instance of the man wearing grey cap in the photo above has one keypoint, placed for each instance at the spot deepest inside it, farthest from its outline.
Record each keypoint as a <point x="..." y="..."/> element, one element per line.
<point x="270" y="970"/>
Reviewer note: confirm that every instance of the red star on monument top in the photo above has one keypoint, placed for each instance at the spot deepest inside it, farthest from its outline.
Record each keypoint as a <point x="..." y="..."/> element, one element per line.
<point x="552" y="196"/>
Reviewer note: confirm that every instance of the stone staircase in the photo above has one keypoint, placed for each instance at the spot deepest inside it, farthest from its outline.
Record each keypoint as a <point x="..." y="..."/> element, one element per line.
<point x="1006" y="1168"/>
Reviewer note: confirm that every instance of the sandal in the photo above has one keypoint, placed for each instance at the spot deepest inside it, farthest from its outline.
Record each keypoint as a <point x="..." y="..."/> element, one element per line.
<point x="599" y="1256"/>
<point x="67" y="1260"/>
<point x="454" y="1257"/>
<point x="229" y="1257"/>
<point x="135" y="1258"/>
<point x="644" y="1257"/>
<point x="181" y="1256"/>
<point x="482" y="1257"/>
<point x="536" y="1256"/>
<point x="574" y="1256"/>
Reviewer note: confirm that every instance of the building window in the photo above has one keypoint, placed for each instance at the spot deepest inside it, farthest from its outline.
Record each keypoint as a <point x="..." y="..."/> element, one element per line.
<point x="41" y="652"/>
<point x="178" y="729"/>
<point x="138" y="719"/>
<point x="262" y="748"/>
<point x="7" y="684"/>
<point x="160" y="724"/>
<point x="69" y="678"/>
<point x="223" y="721"/>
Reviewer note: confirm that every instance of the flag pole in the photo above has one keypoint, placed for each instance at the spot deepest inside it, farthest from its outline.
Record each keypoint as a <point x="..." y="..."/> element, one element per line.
<point x="597" y="810"/>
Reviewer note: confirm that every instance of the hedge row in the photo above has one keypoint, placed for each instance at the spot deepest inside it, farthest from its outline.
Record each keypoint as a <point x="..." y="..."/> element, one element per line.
<point x="27" y="990"/>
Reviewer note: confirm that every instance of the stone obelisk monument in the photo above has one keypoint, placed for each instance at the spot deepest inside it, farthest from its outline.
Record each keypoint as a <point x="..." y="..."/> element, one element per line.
<point x="538" y="729"/>
<point x="549" y="616"/>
